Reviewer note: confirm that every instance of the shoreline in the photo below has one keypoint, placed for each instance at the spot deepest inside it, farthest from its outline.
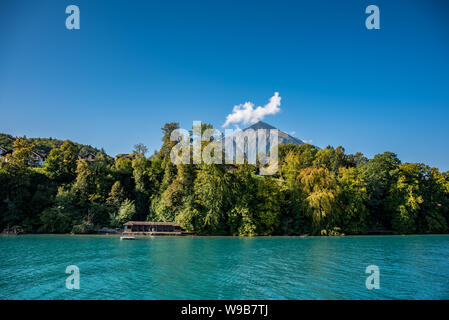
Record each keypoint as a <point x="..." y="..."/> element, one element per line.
<point x="224" y="236"/>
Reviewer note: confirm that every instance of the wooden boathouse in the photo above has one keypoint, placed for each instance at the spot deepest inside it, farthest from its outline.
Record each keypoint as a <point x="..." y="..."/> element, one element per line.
<point x="146" y="228"/>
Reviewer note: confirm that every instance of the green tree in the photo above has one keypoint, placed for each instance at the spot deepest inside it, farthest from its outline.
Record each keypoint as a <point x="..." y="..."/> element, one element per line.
<point x="62" y="215"/>
<point x="405" y="197"/>
<point x="122" y="171"/>
<point x="116" y="197"/>
<point x="296" y="157"/>
<point x="173" y="197"/>
<point x="16" y="187"/>
<point x="21" y="156"/>
<point x="84" y="185"/>
<point x="69" y="154"/>
<point x="140" y="166"/>
<point x="320" y="189"/>
<point x="189" y="216"/>
<point x="126" y="213"/>
<point x="352" y="198"/>
<point x="331" y="159"/>
<point x="418" y="201"/>
<point x="379" y="173"/>
<point x="212" y="191"/>
<point x="167" y="145"/>
<point x="242" y="218"/>
<point x="268" y="205"/>
<point x="61" y="163"/>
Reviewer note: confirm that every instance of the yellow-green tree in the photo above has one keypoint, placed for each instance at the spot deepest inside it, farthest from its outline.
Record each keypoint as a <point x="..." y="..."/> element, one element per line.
<point x="21" y="156"/>
<point x="320" y="194"/>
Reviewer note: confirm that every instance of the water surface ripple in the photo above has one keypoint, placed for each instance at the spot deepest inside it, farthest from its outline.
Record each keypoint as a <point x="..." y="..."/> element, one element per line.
<point x="411" y="267"/>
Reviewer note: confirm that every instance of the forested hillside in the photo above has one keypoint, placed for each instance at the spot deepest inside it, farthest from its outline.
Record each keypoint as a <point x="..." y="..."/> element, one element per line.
<point x="45" y="145"/>
<point x="316" y="191"/>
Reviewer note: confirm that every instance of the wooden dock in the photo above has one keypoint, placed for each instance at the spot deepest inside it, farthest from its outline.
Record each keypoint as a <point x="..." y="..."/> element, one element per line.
<point x="127" y="238"/>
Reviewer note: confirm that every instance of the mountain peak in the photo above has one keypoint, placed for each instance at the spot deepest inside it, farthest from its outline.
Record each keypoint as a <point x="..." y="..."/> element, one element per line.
<point x="284" y="138"/>
<point x="260" y="125"/>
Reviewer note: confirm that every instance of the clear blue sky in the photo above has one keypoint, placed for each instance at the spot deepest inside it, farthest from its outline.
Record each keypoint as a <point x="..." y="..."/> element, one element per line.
<point x="135" y="65"/>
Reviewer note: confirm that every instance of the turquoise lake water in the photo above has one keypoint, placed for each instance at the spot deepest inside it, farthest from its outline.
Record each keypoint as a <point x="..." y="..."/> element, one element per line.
<point x="411" y="267"/>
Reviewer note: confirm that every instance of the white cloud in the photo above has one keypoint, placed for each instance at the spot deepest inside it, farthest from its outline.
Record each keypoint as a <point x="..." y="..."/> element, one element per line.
<point x="245" y="113"/>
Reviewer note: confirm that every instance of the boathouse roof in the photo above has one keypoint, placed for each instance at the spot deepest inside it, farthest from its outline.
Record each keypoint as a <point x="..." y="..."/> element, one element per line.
<point x="148" y="223"/>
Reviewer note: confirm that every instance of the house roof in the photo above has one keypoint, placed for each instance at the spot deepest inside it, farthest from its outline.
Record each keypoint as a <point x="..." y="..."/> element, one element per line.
<point x="42" y="155"/>
<point x="125" y="156"/>
<point x="4" y="151"/>
<point x="87" y="156"/>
